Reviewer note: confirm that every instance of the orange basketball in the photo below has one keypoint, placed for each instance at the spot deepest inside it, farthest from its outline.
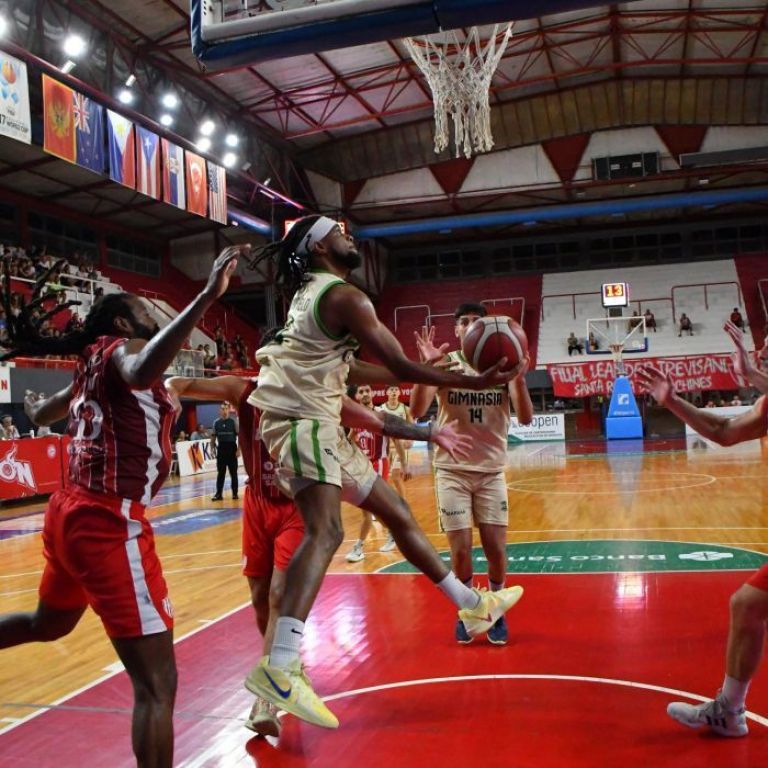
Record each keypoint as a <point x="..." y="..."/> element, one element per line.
<point x="489" y="339"/>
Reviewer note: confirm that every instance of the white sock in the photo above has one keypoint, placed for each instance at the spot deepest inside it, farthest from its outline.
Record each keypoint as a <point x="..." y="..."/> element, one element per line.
<point x="735" y="691"/>
<point x="287" y="642"/>
<point x="459" y="594"/>
<point x="495" y="586"/>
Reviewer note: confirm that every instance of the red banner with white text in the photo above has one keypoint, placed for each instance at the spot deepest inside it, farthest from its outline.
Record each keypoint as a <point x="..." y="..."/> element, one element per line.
<point x="689" y="374"/>
<point x="31" y="466"/>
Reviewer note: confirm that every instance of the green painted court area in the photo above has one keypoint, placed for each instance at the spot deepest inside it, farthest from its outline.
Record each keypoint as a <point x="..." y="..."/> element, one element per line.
<point x="612" y="556"/>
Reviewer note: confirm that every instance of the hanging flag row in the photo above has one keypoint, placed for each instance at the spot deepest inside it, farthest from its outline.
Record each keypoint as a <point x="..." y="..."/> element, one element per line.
<point x="15" y="119"/>
<point x="135" y="156"/>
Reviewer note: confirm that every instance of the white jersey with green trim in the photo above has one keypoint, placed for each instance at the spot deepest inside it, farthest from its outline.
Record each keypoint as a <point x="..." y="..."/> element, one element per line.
<point x="483" y="416"/>
<point x="304" y="370"/>
<point x="401" y="411"/>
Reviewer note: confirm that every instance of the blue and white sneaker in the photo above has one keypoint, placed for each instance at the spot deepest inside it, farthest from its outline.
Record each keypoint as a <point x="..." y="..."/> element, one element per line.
<point x="498" y="633"/>
<point x="462" y="636"/>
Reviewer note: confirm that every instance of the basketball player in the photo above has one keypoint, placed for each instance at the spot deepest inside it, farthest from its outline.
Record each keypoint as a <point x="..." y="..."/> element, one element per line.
<point x="397" y="451"/>
<point x="474" y="490"/>
<point x="272" y="525"/>
<point x="725" y="714"/>
<point x="97" y="541"/>
<point x="372" y="444"/>
<point x="301" y="382"/>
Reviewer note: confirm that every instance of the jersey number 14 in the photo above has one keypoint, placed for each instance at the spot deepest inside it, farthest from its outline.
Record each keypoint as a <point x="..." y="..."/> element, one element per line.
<point x="476" y="415"/>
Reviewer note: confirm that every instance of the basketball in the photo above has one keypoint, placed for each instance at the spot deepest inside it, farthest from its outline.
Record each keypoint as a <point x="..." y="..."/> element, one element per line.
<point x="489" y="339"/>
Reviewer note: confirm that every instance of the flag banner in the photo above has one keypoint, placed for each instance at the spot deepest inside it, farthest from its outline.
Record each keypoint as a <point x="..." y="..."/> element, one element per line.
<point x="148" y="162"/>
<point x="217" y="193"/>
<point x="197" y="185"/>
<point x="688" y="374"/>
<point x="89" y="132"/>
<point x="122" y="159"/>
<point x="58" y="119"/>
<point x="173" y="175"/>
<point x="14" y="99"/>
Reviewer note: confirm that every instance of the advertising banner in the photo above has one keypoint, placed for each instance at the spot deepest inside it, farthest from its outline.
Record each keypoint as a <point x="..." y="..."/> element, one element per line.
<point x="196" y="457"/>
<point x="545" y="426"/>
<point x="30" y="466"/>
<point x="14" y="99"/>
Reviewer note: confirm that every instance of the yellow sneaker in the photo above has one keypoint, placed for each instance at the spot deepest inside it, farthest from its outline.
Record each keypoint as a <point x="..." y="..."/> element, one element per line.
<point x="492" y="606"/>
<point x="290" y="689"/>
<point x="263" y="718"/>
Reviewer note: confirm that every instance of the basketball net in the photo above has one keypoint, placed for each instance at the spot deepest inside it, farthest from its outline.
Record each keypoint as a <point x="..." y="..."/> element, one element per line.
<point x="616" y="350"/>
<point x="459" y="76"/>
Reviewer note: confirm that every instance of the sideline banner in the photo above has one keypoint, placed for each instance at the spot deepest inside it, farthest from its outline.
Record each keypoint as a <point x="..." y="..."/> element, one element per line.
<point x="544" y="427"/>
<point x="689" y="374"/>
<point x="31" y="466"/>
<point x="196" y="457"/>
<point x="14" y="99"/>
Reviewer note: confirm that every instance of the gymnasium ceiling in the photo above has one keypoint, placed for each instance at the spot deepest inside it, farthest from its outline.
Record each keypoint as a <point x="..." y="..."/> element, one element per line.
<point x="359" y="113"/>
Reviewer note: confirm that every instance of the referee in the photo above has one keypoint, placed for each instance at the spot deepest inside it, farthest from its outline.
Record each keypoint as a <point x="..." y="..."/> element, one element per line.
<point x="224" y="442"/>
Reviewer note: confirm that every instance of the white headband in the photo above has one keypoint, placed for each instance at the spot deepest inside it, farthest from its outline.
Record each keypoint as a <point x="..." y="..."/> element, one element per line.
<point x="317" y="232"/>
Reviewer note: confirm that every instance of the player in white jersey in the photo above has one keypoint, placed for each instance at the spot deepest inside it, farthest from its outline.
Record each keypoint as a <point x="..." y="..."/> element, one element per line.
<point x="475" y="490"/>
<point x="301" y="382"/>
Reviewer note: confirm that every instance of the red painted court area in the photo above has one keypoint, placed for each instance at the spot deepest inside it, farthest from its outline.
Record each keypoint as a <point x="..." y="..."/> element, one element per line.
<point x="529" y="703"/>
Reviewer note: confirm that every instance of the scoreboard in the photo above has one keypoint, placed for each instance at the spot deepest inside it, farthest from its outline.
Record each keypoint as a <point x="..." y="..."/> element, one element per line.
<point x="615" y="294"/>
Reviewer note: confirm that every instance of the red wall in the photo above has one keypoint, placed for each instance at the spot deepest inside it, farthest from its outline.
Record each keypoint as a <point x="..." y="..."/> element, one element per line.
<point x="751" y="268"/>
<point x="444" y="296"/>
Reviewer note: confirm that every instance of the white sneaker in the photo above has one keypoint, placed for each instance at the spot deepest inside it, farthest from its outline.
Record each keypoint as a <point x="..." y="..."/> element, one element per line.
<point x="263" y="718"/>
<point x="356" y="554"/>
<point x="389" y="545"/>
<point x="715" y="714"/>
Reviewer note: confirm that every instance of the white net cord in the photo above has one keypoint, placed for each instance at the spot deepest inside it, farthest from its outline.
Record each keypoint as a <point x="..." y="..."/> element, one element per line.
<point x="459" y="76"/>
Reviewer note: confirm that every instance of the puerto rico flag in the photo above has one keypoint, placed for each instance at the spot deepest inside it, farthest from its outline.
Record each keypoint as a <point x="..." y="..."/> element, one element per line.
<point x="197" y="184"/>
<point x="148" y="162"/>
<point x="89" y="132"/>
<point x="217" y="193"/>
<point x="59" y="120"/>
<point x="122" y="160"/>
<point x="173" y="175"/>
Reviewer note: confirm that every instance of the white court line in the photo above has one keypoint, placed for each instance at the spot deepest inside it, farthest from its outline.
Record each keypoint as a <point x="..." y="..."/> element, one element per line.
<point x="109" y="675"/>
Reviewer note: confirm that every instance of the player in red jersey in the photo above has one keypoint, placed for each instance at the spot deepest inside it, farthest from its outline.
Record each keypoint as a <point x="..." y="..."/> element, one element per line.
<point x="272" y="525"/>
<point x="725" y="715"/>
<point x="97" y="541"/>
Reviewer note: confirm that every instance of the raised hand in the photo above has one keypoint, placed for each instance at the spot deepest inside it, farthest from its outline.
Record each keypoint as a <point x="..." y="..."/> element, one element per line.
<point x="458" y="446"/>
<point x="425" y="343"/>
<point x="655" y="383"/>
<point x="223" y="269"/>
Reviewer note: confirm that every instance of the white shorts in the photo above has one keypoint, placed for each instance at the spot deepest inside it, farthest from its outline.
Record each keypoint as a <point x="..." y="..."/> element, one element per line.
<point x="467" y="498"/>
<point x="311" y="451"/>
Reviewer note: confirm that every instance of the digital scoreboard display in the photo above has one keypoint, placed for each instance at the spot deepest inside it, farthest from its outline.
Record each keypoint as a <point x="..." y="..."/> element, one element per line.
<point x="615" y="294"/>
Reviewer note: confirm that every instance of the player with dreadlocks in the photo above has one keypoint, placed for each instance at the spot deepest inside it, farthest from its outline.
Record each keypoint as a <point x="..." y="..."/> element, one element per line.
<point x="97" y="541"/>
<point x="302" y="380"/>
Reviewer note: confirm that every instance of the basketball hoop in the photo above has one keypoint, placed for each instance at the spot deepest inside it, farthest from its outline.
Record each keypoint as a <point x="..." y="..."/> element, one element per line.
<point x="459" y="75"/>
<point x="616" y="352"/>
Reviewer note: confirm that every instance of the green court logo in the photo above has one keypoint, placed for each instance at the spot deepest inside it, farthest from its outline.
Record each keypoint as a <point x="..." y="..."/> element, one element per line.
<point x="612" y="556"/>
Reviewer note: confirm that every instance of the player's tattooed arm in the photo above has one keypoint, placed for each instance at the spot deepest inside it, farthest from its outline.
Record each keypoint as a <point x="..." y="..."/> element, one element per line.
<point x="50" y="410"/>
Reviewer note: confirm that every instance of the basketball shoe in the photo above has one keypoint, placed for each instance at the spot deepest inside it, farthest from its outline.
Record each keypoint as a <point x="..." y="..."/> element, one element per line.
<point x="716" y="714"/>
<point x="290" y="689"/>
<point x="461" y="633"/>
<point x="492" y="606"/>
<point x="389" y="545"/>
<point x="356" y="554"/>
<point x="263" y="718"/>
<point x="498" y="633"/>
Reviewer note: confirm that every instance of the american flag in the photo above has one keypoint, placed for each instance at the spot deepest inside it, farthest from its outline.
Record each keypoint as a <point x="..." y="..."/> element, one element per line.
<point x="217" y="193"/>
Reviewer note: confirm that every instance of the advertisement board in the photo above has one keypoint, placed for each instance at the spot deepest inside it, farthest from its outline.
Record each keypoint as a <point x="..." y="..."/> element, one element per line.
<point x="196" y="457"/>
<point x="545" y="426"/>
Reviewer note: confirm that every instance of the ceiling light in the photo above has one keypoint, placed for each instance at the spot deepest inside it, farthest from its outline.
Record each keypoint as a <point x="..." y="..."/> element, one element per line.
<point x="203" y="144"/>
<point x="130" y="81"/>
<point x="74" y="46"/>
<point x="170" y="101"/>
<point x="232" y="140"/>
<point x="166" y="120"/>
<point x="69" y="65"/>
<point x="207" y="127"/>
<point x="3" y="26"/>
<point x="125" y="96"/>
<point x="229" y="160"/>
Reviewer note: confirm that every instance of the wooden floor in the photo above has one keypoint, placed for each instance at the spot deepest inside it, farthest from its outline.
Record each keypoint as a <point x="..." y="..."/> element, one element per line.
<point x="672" y="492"/>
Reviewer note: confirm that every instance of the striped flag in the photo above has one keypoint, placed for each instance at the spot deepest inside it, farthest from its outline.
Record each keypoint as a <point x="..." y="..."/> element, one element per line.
<point x="148" y="162"/>
<point x="197" y="186"/>
<point x="122" y="160"/>
<point x="217" y="193"/>
<point x="173" y="175"/>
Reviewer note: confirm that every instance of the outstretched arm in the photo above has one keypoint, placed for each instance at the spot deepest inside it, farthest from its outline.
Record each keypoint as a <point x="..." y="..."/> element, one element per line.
<point x="229" y="388"/>
<point x="48" y="411"/>
<point x="720" y="429"/>
<point x="361" y="372"/>
<point x="742" y="363"/>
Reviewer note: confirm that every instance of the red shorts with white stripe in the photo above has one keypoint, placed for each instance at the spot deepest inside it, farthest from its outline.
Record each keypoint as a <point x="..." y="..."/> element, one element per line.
<point x="272" y="532"/>
<point x="382" y="467"/>
<point x="760" y="579"/>
<point x="100" y="551"/>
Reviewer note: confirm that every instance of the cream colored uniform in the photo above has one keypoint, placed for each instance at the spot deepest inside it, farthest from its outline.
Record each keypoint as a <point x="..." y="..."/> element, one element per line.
<point x="301" y="382"/>
<point x="474" y="488"/>
<point x="401" y="411"/>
